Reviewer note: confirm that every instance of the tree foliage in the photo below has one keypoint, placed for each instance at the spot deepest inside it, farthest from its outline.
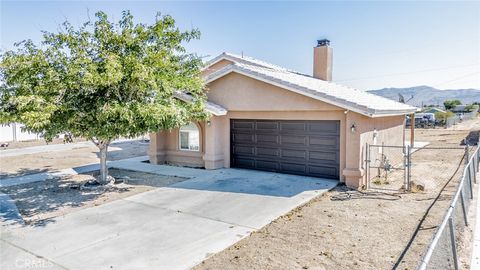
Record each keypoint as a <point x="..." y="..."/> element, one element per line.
<point x="103" y="80"/>
<point x="450" y="104"/>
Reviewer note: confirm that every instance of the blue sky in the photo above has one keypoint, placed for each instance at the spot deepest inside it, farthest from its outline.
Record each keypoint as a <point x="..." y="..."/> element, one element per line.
<point x="376" y="44"/>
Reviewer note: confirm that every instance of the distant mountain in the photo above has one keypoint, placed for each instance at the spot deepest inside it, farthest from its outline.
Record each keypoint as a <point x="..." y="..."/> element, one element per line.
<point x="429" y="95"/>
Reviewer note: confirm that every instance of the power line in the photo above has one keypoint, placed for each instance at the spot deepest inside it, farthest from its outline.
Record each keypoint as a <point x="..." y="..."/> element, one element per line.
<point x="405" y="73"/>
<point x="457" y="78"/>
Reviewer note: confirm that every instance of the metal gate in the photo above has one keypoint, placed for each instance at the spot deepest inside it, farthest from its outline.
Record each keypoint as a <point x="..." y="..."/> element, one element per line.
<point x="387" y="167"/>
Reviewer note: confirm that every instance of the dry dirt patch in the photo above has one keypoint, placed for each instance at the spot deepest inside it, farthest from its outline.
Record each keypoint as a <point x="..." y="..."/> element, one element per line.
<point x="348" y="229"/>
<point x="39" y="202"/>
<point x="57" y="160"/>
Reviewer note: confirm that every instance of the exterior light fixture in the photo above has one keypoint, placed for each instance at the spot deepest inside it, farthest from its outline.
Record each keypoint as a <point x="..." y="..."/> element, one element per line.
<point x="209" y="123"/>
<point x="353" y="127"/>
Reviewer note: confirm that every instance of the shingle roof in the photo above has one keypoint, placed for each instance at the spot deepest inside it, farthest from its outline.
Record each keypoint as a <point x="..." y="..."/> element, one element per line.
<point x="342" y="96"/>
<point x="211" y="107"/>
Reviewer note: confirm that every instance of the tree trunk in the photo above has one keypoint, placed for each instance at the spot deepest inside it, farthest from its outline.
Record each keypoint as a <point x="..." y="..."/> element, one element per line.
<point x="103" y="163"/>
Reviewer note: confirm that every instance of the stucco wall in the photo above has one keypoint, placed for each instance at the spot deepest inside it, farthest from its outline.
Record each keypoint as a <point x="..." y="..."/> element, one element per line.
<point x="164" y="148"/>
<point x="390" y="131"/>
<point x="236" y="92"/>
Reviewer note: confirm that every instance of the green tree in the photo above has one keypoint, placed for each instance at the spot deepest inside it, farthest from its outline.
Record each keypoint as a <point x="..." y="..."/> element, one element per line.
<point x="443" y="116"/>
<point x="471" y="107"/>
<point x="102" y="81"/>
<point x="450" y="104"/>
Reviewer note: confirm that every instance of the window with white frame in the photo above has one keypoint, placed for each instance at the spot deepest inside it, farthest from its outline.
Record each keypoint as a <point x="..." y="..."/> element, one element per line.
<point x="189" y="138"/>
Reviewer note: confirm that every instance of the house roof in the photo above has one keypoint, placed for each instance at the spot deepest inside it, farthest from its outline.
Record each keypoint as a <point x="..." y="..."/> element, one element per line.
<point x="433" y="109"/>
<point x="211" y="107"/>
<point x="342" y="96"/>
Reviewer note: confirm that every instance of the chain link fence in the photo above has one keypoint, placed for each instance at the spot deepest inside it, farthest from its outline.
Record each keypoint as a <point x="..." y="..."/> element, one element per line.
<point x="451" y="121"/>
<point x="405" y="168"/>
<point x="386" y="167"/>
<point x="442" y="252"/>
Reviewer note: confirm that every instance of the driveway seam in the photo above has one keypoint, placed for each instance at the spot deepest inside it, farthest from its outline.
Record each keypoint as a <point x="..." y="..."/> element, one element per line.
<point x="188" y="213"/>
<point x="31" y="253"/>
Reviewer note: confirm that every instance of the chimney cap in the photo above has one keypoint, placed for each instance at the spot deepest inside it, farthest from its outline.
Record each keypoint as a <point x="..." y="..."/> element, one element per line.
<point x="323" y="42"/>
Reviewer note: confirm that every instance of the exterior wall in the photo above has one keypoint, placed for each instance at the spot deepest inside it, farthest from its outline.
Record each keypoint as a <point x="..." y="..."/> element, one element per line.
<point x="390" y="131"/>
<point x="236" y="92"/>
<point x="164" y="148"/>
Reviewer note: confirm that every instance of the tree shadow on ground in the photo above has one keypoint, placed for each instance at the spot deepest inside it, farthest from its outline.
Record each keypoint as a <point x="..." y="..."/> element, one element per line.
<point x="40" y="202"/>
<point x="22" y="172"/>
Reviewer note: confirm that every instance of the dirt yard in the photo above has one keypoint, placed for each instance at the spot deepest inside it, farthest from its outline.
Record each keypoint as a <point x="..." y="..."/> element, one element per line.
<point x="56" y="160"/>
<point x="348" y="229"/>
<point x="39" y="202"/>
<point x="40" y="142"/>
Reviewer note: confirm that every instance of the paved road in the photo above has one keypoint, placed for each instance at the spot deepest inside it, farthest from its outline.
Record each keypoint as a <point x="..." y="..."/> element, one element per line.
<point x="49" y="148"/>
<point x="168" y="228"/>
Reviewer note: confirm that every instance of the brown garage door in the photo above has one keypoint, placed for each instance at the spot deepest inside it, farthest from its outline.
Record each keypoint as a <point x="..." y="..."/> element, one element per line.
<point x="296" y="147"/>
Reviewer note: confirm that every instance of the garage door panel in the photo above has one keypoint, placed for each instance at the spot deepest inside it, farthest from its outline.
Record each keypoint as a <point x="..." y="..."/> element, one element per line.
<point x="244" y="150"/>
<point x="292" y="126"/>
<point x="267" y="138"/>
<point x="243" y="125"/>
<point x="332" y="127"/>
<point x="321" y="156"/>
<point x="243" y="163"/>
<point x="293" y="168"/>
<point x="267" y="125"/>
<point x="330" y="142"/>
<point x="296" y="147"/>
<point x="323" y="171"/>
<point x="293" y="140"/>
<point x="243" y="138"/>
<point x="268" y="152"/>
<point x="266" y="165"/>
<point x="296" y="154"/>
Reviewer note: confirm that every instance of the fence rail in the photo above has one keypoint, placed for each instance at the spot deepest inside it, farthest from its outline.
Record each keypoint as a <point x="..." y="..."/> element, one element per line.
<point x="445" y="239"/>
<point x="457" y="119"/>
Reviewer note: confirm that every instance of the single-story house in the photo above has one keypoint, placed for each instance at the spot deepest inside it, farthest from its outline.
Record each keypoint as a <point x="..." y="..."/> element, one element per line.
<point x="266" y="117"/>
<point x="463" y="109"/>
<point x="433" y="110"/>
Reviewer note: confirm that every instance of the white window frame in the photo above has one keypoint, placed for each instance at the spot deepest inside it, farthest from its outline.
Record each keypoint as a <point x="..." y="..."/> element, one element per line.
<point x="180" y="139"/>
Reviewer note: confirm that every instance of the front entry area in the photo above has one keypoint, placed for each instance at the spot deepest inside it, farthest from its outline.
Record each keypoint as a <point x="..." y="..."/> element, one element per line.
<point x="310" y="148"/>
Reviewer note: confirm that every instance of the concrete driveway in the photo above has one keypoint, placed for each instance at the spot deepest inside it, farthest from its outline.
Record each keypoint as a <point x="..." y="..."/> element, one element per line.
<point x="168" y="228"/>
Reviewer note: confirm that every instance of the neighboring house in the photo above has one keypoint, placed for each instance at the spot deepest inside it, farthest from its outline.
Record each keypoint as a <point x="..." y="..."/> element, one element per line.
<point x="266" y="117"/>
<point x="433" y="110"/>
<point x="14" y="132"/>
<point x="463" y="109"/>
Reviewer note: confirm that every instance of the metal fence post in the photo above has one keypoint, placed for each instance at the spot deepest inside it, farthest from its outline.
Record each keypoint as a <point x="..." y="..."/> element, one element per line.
<point x="472" y="167"/>
<point x="467" y="154"/>
<point x="470" y="181"/>
<point x="409" y="166"/>
<point x="367" y="165"/>
<point x="462" y="200"/>
<point x="452" y="240"/>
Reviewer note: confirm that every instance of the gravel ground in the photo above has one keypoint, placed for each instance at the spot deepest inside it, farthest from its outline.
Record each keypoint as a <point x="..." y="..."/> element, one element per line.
<point x="39" y="202"/>
<point x="348" y="229"/>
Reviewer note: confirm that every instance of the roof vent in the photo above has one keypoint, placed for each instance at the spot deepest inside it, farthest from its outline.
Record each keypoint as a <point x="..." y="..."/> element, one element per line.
<point x="323" y="42"/>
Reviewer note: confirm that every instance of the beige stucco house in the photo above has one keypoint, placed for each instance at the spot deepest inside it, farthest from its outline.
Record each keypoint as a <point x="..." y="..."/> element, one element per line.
<point x="265" y="117"/>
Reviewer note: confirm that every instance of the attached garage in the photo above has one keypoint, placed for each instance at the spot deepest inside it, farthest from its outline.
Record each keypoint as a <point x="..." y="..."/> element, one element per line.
<point x="310" y="148"/>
